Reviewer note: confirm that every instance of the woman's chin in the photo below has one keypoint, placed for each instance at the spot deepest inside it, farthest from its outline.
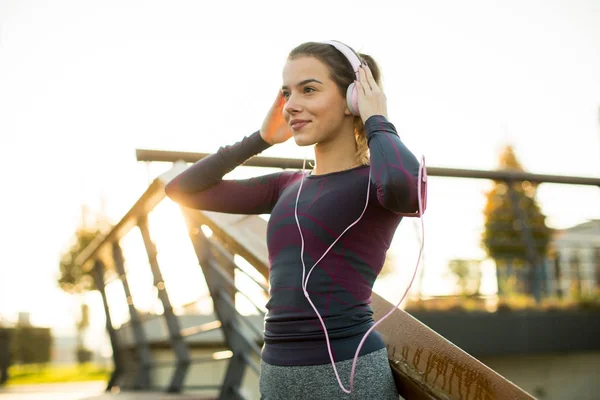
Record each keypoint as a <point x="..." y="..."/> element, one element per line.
<point x="303" y="140"/>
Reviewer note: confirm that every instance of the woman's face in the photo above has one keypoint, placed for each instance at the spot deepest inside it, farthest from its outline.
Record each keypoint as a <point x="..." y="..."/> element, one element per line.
<point x="314" y="108"/>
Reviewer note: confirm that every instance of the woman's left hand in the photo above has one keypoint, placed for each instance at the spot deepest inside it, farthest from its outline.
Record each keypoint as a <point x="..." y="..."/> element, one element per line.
<point x="371" y="99"/>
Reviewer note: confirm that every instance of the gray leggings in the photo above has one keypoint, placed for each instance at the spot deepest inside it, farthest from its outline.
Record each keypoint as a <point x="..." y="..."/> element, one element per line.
<point x="372" y="380"/>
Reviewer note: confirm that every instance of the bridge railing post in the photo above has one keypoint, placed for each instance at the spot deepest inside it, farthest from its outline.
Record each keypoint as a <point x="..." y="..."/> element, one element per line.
<point x="142" y="349"/>
<point x="179" y="346"/>
<point x="98" y="275"/>
<point x="220" y="280"/>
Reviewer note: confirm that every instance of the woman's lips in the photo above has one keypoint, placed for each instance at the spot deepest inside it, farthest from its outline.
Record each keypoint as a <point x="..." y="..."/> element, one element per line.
<point x="297" y="125"/>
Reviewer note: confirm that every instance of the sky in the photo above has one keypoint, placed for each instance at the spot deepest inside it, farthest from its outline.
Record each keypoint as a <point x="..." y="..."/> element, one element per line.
<point x="83" y="84"/>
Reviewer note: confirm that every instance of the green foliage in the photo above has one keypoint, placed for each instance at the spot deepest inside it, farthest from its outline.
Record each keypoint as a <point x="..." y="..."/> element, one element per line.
<point x="72" y="278"/>
<point x="30" y="345"/>
<point x="503" y="238"/>
<point x="34" y="374"/>
<point x="5" y="337"/>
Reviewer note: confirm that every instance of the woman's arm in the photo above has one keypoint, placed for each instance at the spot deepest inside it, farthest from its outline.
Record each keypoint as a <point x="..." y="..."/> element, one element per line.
<point x="394" y="168"/>
<point x="201" y="186"/>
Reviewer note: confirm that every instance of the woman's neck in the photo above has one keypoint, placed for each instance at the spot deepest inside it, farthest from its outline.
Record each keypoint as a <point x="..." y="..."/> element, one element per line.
<point x="335" y="155"/>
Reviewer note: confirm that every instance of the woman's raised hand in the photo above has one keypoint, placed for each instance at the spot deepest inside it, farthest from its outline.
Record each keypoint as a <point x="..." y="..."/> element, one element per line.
<point x="371" y="99"/>
<point x="274" y="128"/>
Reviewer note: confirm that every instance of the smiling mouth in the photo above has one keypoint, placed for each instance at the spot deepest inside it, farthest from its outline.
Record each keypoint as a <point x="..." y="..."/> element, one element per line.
<point x="299" y="125"/>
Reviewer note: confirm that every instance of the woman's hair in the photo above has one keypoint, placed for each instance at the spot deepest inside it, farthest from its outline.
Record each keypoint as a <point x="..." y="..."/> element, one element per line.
<point x="342" y="73"/>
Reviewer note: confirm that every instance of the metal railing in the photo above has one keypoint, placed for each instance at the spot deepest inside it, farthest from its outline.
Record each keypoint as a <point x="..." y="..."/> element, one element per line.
<point x="568" y="270"/>
<point x="134" y="359"/>
<point x="425" y="365"/>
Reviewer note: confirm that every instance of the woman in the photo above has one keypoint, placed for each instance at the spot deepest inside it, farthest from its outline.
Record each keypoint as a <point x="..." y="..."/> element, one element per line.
<point x="321" y="273"/>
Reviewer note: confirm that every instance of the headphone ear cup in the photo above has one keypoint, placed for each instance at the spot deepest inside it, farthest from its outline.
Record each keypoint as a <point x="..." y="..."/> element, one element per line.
<point x="352" y="99"/>
<point x="423" y="193"/>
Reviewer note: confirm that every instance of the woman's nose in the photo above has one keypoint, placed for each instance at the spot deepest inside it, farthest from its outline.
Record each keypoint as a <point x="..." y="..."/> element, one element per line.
<point x="291" y="105"/>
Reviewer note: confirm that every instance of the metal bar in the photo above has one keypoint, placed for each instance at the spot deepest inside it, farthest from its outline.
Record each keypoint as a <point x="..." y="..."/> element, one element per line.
<point x="252" y="345"/>
<point x="220" y="272"/>
<point x="225" y="257"/>
<point x="221" y="256"/>
<point x="260" y="284"/>
<point x="179" y="346"/>
<point x="142" y="348"/>
<point x="233" y="378"/>
<point x="205" y="296"/>
<point x="203" y="387"/>
<point x="151" y="197"/>
<point x="255" y="367"/>
<point x="151" y="317"/>
<point x="98" y="276"/>
<point x="200" y="360"/>
<point x="225" y="296"/>
<point x="227" y="269"/>
<point x="146" y="203"/>
<point x="238" y="394"/>
<point x="218" y="283"/>
<point x="195" y="360"/>
<point x="220" y="253"/>
<point x="195" y="330"/>
<point x="291" y="163"/>
<point x="163" y="364"/>
<point x="191" y="157"/>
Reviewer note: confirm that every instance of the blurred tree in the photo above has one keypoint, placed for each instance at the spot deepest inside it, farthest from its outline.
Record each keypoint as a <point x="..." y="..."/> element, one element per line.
<point x="31" y="345"/>
<point x="504" y="237"/>
<point x="73" y="279"/>
<point x="468" y="275"/>
<point x="5" y="337"/>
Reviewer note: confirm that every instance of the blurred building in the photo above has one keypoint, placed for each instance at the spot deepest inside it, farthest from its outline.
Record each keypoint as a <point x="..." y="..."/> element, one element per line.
<point x="24" y="319"/>
<point x="575" y="270"/>
<point x="64" y="350"/>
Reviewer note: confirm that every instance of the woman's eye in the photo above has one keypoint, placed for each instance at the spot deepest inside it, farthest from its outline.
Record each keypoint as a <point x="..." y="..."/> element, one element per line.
<point x="286" y="95"/>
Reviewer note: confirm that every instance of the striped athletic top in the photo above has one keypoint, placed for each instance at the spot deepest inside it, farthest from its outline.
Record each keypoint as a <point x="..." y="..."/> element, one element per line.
<point x="341" y="284"/>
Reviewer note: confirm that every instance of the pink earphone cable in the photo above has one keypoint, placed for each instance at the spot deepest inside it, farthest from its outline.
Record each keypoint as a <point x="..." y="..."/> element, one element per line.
<point x="421" y="179"/>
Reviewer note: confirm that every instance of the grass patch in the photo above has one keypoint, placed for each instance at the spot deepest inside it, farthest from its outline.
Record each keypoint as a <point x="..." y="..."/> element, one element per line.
<point x="32" y="374"/>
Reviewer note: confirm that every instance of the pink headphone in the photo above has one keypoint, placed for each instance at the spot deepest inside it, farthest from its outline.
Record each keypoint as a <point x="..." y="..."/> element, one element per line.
<point x="352" y="100"/>
<point x="351" y="93"/>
